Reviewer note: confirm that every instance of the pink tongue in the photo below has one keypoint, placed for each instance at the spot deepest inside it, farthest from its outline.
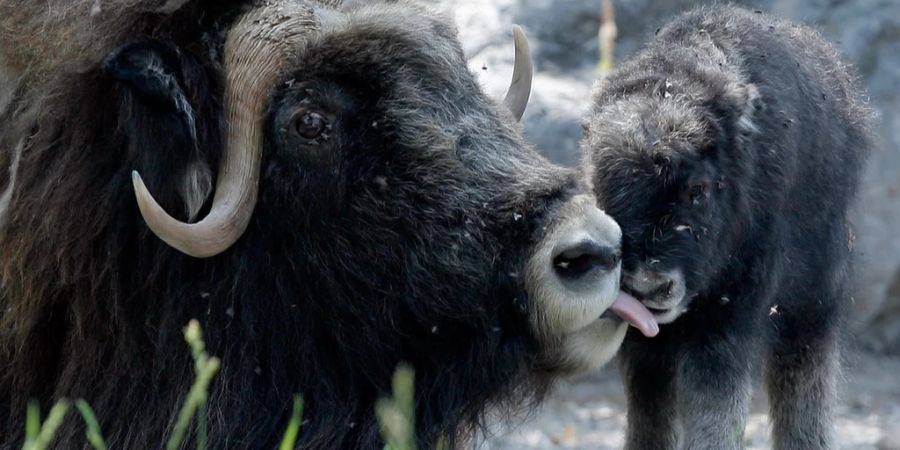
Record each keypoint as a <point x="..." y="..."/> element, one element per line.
<point x="635" y="313"/>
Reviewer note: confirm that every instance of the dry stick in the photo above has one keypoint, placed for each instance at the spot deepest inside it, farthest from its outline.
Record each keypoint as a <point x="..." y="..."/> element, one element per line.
<point x="607" y="36"/>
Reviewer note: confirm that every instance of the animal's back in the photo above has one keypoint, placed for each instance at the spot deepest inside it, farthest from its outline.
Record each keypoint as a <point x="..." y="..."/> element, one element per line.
<point x="814" y="126"/>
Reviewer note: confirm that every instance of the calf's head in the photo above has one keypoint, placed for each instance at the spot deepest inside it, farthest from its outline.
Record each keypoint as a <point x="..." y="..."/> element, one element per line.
<point x="666" y="165"/>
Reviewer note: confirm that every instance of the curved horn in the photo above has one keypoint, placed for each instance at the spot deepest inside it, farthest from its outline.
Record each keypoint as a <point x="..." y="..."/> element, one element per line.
<point x="255" y="52"/>
<point x="520" y="87"/>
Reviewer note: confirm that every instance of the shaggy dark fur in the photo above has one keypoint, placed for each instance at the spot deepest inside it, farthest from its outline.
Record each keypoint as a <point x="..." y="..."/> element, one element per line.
<point x="730" y="149"/>
<point x="398" y="237"/>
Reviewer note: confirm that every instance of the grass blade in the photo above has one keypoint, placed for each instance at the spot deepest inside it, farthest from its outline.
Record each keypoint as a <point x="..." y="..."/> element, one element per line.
<point x="32" y="424"/>
<point x="196" y="396"/>
<point x="293" y="428"/>
<point x="396" y="415"/>
<point x="93" y="434"/>
<point x="205" y="368"/>
<point x="41" y="440"/>
<point x="201" y="426"/>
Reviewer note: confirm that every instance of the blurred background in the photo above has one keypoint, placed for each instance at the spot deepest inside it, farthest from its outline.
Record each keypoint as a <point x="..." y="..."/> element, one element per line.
<point x="588" y="413"/>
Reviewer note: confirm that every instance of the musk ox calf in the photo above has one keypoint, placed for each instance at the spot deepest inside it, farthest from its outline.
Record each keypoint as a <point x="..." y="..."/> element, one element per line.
<point x="729" y="150"/>
<point x="371" y="206"/>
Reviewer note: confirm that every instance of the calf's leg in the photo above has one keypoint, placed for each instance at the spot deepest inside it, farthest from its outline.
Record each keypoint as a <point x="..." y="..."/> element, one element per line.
<point x="714" y="391"/>
<point x="648" y="370"/>
<point x="801" y="377"/>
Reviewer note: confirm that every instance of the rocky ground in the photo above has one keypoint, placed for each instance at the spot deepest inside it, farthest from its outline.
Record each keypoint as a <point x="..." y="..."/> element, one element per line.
<point x="590" y="413"/>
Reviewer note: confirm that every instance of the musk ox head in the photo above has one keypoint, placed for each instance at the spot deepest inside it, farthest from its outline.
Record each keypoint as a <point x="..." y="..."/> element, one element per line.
<point x="667" y="167"/>
<point x="371" y="206"/>
<point x="378" y="148"/>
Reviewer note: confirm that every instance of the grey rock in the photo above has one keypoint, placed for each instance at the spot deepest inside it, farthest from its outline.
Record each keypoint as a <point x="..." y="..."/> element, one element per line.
<point x="891" y="439"/>
<point x="868" y="33"/>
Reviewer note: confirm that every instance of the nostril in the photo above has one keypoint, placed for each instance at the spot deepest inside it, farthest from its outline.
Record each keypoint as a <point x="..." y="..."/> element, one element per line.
<point x="584" y="257"/>
<point x="662" y="290"/>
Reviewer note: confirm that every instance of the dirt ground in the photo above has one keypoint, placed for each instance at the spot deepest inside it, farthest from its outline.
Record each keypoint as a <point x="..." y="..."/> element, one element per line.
<point x="590" y="413"/>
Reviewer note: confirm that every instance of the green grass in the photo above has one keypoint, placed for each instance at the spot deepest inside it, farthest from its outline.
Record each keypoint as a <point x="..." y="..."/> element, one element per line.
<point x="93" y="434"/>
<point x="396" y="414"/>
<point x="38" y="436"/>
<point x="293" y="428"/>
<point x="205" y="368"/>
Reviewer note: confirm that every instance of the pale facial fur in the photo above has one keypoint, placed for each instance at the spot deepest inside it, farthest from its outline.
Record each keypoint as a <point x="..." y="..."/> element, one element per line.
<point x="568" y="311"/>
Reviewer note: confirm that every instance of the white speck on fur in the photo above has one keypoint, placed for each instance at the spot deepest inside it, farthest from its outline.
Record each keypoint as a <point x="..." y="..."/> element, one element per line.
<point x="96" y="8"/>
<point x="171" y="6"/>
<point x="381" y="182"/>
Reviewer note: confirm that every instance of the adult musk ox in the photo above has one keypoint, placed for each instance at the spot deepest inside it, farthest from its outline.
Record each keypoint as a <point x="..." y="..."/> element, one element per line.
<point x="729" y="150"/>
<point x="371" y="206"/>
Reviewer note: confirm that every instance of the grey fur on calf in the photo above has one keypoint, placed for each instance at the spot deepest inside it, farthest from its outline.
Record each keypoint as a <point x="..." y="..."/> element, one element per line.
<point x="729" y="150"/>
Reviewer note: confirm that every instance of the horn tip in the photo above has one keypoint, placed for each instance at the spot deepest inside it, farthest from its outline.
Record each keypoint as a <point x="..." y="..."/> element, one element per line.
<point x="519" y="37"/>
<point x="140" y="189"/>
<point x="519" y="34"/>
<point x="520" y="88"/>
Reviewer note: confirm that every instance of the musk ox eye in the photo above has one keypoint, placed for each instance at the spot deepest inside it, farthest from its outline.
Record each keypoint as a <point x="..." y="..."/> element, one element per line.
<point x="310" y="124"/>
